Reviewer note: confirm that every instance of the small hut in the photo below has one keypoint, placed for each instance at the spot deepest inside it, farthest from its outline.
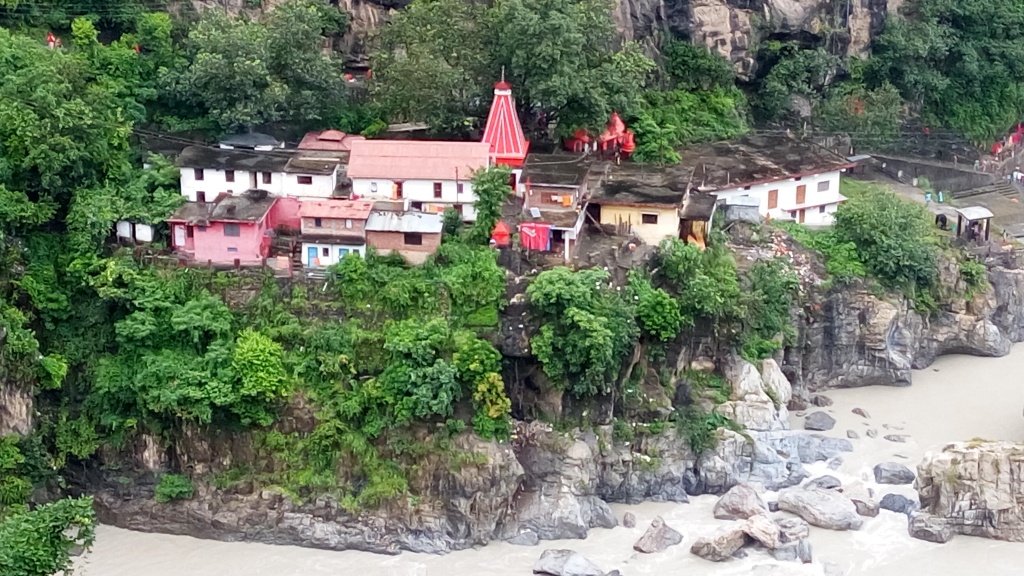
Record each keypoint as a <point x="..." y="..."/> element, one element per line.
<point x="695" y="217"/>
<point x="973" y="224"/>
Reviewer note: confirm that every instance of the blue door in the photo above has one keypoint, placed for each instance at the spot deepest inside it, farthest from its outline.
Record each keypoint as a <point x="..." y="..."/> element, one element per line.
<point x="311" y="256"/>
<point x="341" y="253"/>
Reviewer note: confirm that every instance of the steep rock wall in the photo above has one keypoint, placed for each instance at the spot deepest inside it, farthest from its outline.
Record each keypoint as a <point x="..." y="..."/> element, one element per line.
<point x="733" y="28"/>
<point x="977" y="488"/>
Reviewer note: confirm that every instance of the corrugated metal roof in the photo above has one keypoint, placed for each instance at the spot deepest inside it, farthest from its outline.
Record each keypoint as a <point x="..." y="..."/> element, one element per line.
<point x="349" y="209"/>
<point x="417" y="160"/>
<point x="381" y="221"/>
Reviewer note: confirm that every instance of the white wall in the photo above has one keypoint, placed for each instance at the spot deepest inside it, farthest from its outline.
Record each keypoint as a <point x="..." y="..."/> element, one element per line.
<point x="322" y="187"/>
<point x="420" y="191"/>
<point x="416" y="190"/>
<point x="335" y="253"/>
<point x="787" y="197"/>
<point x="215" y="182"/>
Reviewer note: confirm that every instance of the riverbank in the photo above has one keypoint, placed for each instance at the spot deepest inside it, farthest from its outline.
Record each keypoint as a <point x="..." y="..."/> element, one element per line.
<point x="957" y="398"/>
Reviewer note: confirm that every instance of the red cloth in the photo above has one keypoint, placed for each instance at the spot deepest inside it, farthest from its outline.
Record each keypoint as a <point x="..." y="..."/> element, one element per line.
<point x="534" y="235"/>
<point x="997" y="147"/>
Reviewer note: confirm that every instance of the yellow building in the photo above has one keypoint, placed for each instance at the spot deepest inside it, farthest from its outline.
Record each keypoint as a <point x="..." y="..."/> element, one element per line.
<point x="652" y="223"/>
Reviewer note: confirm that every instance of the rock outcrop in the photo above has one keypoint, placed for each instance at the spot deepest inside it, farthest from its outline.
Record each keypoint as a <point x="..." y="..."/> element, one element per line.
<point x="924" y="526"/>
<point x="897" y="503"/>
<point x="977" y="488"/>
<point x="16" y="409"/>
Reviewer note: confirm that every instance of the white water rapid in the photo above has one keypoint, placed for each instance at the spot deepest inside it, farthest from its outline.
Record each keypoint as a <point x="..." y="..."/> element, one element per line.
<point x="959" y="398"/>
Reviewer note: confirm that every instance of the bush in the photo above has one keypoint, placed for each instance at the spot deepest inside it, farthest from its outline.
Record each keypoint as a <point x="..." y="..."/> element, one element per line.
<point x="657" y="312"/>
<point x="173" y="487"/>
<point x="974" y="274"/>
<point x="894" y="238"/>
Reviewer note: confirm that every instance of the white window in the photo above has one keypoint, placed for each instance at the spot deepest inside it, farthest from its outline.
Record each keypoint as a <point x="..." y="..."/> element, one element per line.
<point x="348" y="223"/>
<point x="373" y="186"/>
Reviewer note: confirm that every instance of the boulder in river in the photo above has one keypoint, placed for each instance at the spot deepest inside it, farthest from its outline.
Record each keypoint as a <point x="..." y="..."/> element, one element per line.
<point x="629" y="520"/>
<point x="898" y="438"/>
<point x="897" y="503"/>
<point x="821" y="401"/>
<point x="565" y="563"/>
<point x="792" y="529"/>
<point x="799" y="551"/>
<point x="822" y="508"/>
<point x="764" y="530"/>
<point x="861" y="412"/>
<point x="739" y="503"/>
<point x="893" y="473"/>
<point x="658" y="537"/>
<point x="527" y="538"/>
<point x="852" y="435"/>
<point x="824" y="482"/>
<point x="721" y="545"/>
<point x="819" y="421"/>
<point x="861" y="498"/>
<point x="924" y="526"/>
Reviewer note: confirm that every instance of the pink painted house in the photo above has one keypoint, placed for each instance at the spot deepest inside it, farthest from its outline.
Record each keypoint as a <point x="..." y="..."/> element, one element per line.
<point x="233" y="229"/>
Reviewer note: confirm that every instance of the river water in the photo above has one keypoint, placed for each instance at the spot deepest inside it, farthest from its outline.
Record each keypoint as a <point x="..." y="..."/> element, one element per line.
<point x="958" y="398"/>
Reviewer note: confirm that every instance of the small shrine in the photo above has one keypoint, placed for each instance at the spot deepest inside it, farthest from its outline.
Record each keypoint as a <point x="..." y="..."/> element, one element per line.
<point x="616" y="141"/>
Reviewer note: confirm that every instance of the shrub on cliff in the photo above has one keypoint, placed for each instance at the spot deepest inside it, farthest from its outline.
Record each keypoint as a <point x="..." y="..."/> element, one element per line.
<point x="587" y="328"/>
<point x="894" y="238"/>
<point x="173" y="487"/>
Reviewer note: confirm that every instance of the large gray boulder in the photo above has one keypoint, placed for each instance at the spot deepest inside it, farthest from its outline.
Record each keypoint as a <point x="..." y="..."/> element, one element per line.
<point x="897" y="503"/>
<point x="792" y="529"/>
<point x="739" y="503"/>
<point x="824" y="482"/>
<point x="721" y="545"/>
<point x="822" y="508"/>
<point x="893" y="473"/>
<point x="658" y="537"/>
<point x="565" y="563"/>
<point x="924" y="526"/>
<point x="819" y="421"/>
<point x="799" y="551"/>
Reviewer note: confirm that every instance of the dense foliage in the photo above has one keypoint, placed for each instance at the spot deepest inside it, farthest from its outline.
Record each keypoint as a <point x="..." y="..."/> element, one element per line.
<point x="439" y="59"/>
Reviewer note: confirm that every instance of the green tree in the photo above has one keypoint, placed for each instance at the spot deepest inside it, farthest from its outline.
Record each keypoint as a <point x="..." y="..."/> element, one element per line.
<point x="39" y="542"/>
<point x="691" y="67"/>
<point x="491" y="187"/>
<point x="796" y="72"/>
<point x="246" y="73"/>
<point x="870" y="117"/>
<point x="587" y="328"/>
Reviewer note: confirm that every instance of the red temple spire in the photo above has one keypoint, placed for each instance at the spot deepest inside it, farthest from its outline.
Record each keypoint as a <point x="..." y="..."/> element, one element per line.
<point x="504" y="132"/>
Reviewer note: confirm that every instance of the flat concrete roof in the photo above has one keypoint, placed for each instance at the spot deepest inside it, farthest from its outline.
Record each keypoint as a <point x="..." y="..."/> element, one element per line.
<point x="713" y="167"/>
<point x="558" y="169"/>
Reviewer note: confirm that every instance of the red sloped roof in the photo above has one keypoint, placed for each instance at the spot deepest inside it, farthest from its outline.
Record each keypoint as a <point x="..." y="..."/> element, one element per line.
<point x="349" y="209"/>
<point x="504" y="133"/>
<point x="417" y="160"/>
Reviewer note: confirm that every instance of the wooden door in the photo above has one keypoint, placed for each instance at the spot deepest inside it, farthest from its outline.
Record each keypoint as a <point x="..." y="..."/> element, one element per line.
<point x="773" y="199"/>
<point x="801" y="195"/>
<point x="801" y="215"/>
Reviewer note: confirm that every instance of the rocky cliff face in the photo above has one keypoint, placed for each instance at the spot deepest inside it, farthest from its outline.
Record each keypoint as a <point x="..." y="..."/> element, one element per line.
<point x="976" y="488"/>
<point x="733" y="28"/>
<point x="545" y="484"/>
<point x="16" y="409"/>
<point x="852" y="337"/>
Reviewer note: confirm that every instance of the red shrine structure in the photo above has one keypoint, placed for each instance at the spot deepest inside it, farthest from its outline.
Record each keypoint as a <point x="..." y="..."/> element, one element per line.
<point x="504" y="132"/>
<point x="616" y="139"/>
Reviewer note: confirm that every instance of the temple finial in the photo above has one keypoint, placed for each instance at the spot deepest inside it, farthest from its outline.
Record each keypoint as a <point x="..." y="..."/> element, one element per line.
<point x="502" y="73"/>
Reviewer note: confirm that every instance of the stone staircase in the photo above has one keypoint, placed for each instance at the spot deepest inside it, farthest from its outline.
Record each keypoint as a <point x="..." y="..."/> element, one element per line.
<point x="1001" y="187"/>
